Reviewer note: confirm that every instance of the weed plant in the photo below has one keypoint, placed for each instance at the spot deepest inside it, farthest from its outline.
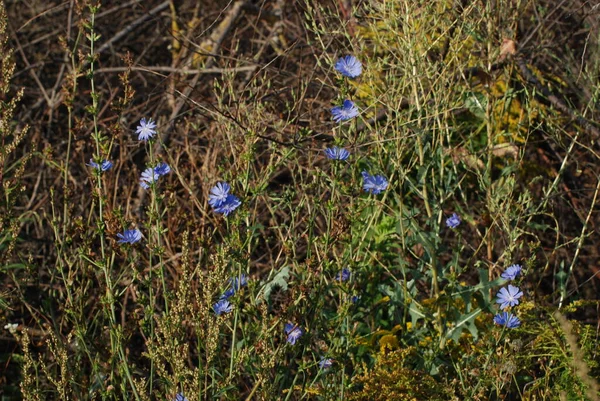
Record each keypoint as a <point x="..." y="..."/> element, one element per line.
<point x="385" y="209"/>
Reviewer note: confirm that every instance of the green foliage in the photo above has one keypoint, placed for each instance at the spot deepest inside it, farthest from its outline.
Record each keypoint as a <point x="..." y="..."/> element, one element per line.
<point x="445" y="116"/>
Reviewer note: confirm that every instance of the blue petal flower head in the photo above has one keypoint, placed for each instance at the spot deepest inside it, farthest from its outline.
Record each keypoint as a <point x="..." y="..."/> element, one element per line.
<point x="349" y="66"/>
<point x="511" y="272"/>
<point x="129" y="236"/>
<point x="105" y="165"/>
<point x="293" y="333"/>
<point x="222" y="306"/>
<point x="336" y="153"/>
<point x="239" y="282"/>
<point x="453" y="221"/>
<point x="507" y="319"/>
<point x="325" y="363"/>
<point x="146" y="129"/>
<point x="236" y="284"/>
<point x="508" y="296"/>
<point x="355" y="299"/>
<point x="180" y="397"/>
<point x="231" y="203"/>
<point x="162" y="169"/>
<point x="148" y="177"/>
<point x="346" y="111"/>
<point x="228" y="294"/>
<point x="218" y="194"/>
<point x="343" y="275"/>
<point x="374" y="184"/>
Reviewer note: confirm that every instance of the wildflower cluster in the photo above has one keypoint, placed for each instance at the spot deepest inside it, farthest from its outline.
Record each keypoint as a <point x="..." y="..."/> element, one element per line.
<point x="221" y="200"/>
<point x="145" y="131"/>
<point x="508" y="297"/>
<point x="235" y="284"/>
<point x="351" y="67"/>
<point x="151" y="175"/>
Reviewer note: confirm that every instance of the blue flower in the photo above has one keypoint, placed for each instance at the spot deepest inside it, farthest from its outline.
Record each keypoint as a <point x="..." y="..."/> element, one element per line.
<point x="148" y="177"/>
<point x="239" y="282"/>
<point x="336" y="153"/>
<point x="180" y="397"/>
<point x="511" y="272"/>
<point x="293" y="333"/>
<point x="218" y="194"/>
<point x="228" y="294"/>
<point x="507" y="319"/>
<point x="343" y="275"/>
<point x="104" y="165"/>
<point x="509" y="296"/>
<point x="222" y="306"/>
<point x="453" y="221"/>
<point x="325" y="363"/>
<point x="129" y="236"/>
<point x="355" y="299"/>
<point x="374" y="184"/>
<point x="349" y="66"/>
<point x="231" y="203"/>
<point x="346" y="111"/>
<point x="146" y="129"/>
<point x="162" y="169"/>
<point x="236" y="284"/>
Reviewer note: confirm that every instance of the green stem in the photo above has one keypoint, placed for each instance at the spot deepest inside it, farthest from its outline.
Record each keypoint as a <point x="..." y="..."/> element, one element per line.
<point x="118" y="347"/>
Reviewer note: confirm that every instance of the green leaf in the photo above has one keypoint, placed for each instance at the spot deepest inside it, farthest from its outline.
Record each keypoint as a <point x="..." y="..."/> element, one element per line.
<point x="477" y="103"/>
<point x="464" y="322"/>
<point x="280" y="280"/>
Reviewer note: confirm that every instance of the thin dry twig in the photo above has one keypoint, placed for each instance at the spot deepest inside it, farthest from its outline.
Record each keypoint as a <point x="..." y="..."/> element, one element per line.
<point x="129" y="28"/>
<point x="558" y="103"/>
<point x="175" y="70"/>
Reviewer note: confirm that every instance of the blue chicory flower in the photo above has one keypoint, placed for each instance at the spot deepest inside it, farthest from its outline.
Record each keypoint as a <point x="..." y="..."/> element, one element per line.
<point x="236" y="284"/>
<point x="162" y="169"/>
<point x="343" y="275"/>
<point x="325" y="363"/>
<point x="104" y="165"/>
<point x="148" y="177"/>
<point x="346" y="111"/>
<point x="336" y="153"/>
<point x="218" y="194"/>
<point x="508" y="320"/>
<point x="129" y="236"/>
<point x="509" y="296"/>
<point x="180" y="397"/>
<point x="511" y="272"/>
<point x="222" y="306"/>
<point x="146" y="129"/>
<point x="349" y="66"/>
<point x="453" y="221"/>
<point x="231" y="203"/>
<point x="374" y="184"/>
<point x="293" y="333"/>
<point x="239" y="282"/>
<point x="228" y="293"/>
